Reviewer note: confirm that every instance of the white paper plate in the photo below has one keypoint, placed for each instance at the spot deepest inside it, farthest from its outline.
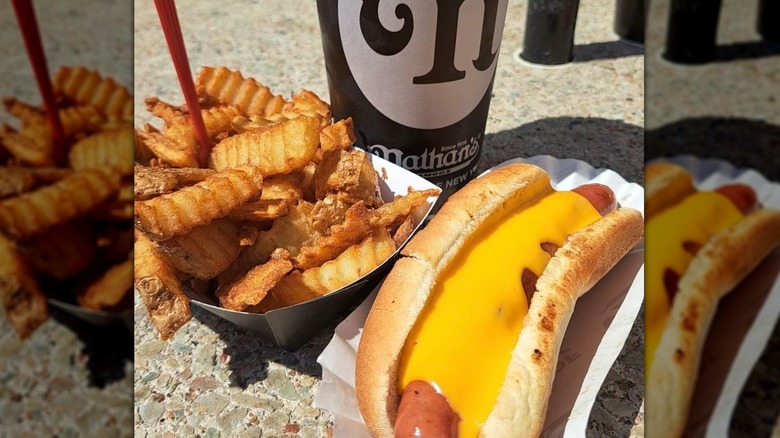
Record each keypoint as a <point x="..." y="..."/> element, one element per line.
<point x="618" y="297"/>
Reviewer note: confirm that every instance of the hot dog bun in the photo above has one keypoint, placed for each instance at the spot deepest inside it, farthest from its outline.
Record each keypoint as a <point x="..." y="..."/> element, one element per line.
<point x="721" y="263"/>
<point x="586" y="257"/>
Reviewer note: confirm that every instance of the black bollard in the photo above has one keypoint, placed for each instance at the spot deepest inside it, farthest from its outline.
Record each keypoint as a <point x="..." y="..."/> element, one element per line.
<point x="630" y="19"/>
<point x="769" y="20"/>
<point x="549" y="31"/>
<point x="692" y="34"/>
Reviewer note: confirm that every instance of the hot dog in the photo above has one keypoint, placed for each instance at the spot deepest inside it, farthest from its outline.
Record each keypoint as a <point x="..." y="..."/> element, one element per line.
<point x="470" y="320"/>
<point x="700" y="245"/>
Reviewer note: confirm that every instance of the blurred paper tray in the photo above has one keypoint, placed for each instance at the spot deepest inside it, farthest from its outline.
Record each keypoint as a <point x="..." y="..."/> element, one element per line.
<point x="98" y="318"/>
<point x="595" y="336"/>
<point x="290" y="327"/>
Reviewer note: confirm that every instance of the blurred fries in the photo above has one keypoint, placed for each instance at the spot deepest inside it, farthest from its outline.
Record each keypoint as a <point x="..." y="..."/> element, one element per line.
<point x="287" y="211"/>
<point x="61" y="222"/>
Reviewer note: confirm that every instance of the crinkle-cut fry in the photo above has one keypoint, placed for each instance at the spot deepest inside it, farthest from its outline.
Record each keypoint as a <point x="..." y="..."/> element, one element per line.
<point x="106" y="148"/>
<point x="231" y="88"/>
<point x="155" y="181"/>
<point x="338" y="136"/>
<point x="160" y="289"/>
<point x="178" y="145"/>
<point x="26" y="113"/>
<point x="164" y="110"/>
<point x="355" y="262"/>
<point x="328" y="212"/>
<point x="280" y="148"/>
<point x="117" y="211"/>
<point x="88" y="87"/>
<point x="307" y="103"/>
<point x="262" y="210"/>
<point x="247" y="236"/>
<point x="179" y="212"/>
<point x="357" y="226"/>
<point x="404" y="230"/>
<point x="141" y="151"/>
<point x="71" y="197"/>
<point x="37" y="150"/>
<point x="349" y="174"/>
<point x="115" y="243"/>
<point x="62" y="251"/>
<point x="243" y="124"/>
<point x="24" y="303"/>
<point x="108" y="290"/>
<point x="76" y="119"/>
<point x="250" y="289"/>
<point x="15" y="180"/>
<point x="288" y="232"/>
<point x="280" y="192"/>
<point x="169" y="150"/>
<point x="401" y="206"/>
<point x="205" y="251"/>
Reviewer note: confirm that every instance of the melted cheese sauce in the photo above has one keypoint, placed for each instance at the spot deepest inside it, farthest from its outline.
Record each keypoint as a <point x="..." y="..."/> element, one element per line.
<point x="695" y="219"/>
<point x="463" y="340"/>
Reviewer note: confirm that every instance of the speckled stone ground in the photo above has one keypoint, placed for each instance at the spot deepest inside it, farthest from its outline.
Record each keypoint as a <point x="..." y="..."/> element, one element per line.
<point x="69" y="379"/>
<point x="213" y="379"/>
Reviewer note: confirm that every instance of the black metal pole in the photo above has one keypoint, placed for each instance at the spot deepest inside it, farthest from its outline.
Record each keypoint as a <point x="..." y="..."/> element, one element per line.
<point x="549" y="31"/>
<point x="692" y="34"/>
<point x="630" y="19"/>
<point x="769" y="20"/>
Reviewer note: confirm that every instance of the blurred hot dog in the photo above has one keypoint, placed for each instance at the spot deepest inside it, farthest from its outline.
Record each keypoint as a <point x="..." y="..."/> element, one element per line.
<point x="700" y="245"/>
<point x="454" y="312"/>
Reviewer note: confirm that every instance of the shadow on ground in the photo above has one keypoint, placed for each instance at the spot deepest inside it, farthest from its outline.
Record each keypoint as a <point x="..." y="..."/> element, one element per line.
<point x="743" y="142"/>
<point x="602" y="143"/>
<point x="107" y="348"/>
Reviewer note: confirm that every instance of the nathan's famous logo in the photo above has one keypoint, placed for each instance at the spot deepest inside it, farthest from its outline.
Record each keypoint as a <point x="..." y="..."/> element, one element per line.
<point x="425" y="64"/>
<point x="432" y="162"/>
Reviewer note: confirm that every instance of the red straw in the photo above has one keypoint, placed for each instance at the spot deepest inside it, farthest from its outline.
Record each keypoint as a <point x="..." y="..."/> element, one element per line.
<point x="25" y="15"/>
<point x="169" y="20"/>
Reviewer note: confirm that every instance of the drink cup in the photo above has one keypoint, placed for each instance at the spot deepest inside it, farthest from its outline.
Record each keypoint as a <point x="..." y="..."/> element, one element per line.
<point x="416" y="77"/>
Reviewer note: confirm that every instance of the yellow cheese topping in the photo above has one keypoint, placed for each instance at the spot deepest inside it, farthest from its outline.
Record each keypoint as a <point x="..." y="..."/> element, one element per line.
<point x="463" y="340"/>
<point x="695" y="219"/>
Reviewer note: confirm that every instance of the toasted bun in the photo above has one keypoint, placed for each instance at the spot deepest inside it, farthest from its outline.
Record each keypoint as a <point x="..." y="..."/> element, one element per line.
<point x="585" y="257"/>
<point x="726" y="259"/>
<point x="666" y="184"/>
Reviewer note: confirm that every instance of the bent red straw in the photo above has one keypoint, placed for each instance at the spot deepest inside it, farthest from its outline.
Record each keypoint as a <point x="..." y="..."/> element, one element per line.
<point x="25" y="15"/>
<point x="169" y="20"/>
